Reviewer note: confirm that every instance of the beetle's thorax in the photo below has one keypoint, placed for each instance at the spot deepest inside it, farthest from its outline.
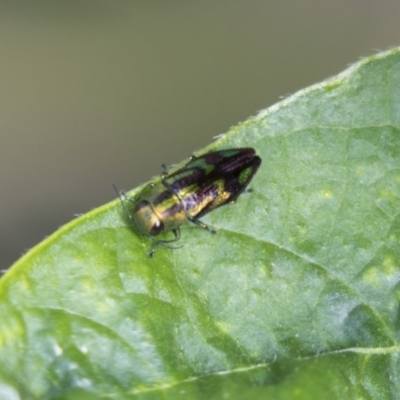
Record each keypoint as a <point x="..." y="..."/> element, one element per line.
<point x="158" y="210"/>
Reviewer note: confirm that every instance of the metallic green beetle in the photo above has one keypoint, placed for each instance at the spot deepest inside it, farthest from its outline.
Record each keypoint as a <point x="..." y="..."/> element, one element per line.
<point x="203" y="184"/>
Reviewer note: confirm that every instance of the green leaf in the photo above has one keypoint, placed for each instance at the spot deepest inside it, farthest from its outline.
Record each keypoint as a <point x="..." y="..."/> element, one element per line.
<point x="297" y="296"/>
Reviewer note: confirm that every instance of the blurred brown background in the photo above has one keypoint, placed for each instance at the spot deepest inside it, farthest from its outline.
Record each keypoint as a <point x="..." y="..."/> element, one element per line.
<point x="95" y="92"/>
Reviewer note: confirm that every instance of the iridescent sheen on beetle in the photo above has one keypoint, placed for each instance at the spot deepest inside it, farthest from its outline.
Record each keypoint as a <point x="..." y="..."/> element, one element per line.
<point x="203" y="184"/>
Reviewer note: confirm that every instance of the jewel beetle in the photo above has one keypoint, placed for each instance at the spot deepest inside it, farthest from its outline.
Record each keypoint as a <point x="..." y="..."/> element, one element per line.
<point x="205" y="183"/>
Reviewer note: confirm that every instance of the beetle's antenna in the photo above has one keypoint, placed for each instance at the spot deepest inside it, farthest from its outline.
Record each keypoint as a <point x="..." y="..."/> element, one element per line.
<point x="121" y="193"/>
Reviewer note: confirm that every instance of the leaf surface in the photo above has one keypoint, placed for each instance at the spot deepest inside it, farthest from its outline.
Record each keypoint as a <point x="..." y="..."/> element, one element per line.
<point x="297" y="296"/>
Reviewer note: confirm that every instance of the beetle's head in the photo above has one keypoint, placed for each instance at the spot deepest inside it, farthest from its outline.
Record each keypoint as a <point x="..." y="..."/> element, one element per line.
<point x="146" y="221"/>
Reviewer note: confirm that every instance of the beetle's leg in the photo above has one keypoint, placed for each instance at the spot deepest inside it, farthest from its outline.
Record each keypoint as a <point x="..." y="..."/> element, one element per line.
<point x="164" y="171"/>
<point x="202" y="224"/>
<point x="177" y="233"/>
<point x="165" y="243"/>
<point x="125" y="196"/>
